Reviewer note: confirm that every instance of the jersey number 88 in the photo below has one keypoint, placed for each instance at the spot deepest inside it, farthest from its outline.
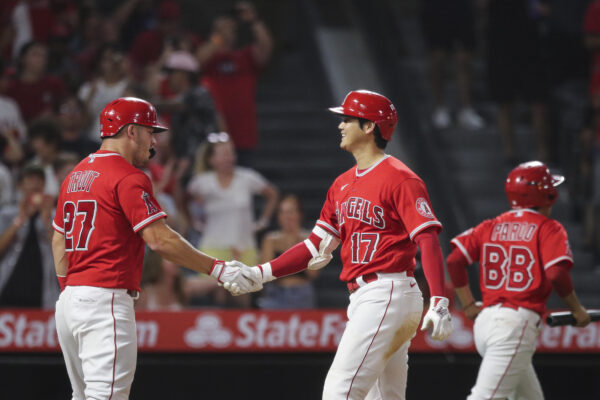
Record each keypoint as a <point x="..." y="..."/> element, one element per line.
<point x="509" y="269"/>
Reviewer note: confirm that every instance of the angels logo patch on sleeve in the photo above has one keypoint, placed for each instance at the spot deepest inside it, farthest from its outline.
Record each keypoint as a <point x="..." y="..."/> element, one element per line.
<point x="149" y="205"/>
<point x="423" y="208"/>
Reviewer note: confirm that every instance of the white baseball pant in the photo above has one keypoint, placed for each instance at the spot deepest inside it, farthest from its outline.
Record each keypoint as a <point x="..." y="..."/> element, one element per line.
<point x="371" y="361"/>
<point x="97" y="333"/>
<point x="506" y="338"/>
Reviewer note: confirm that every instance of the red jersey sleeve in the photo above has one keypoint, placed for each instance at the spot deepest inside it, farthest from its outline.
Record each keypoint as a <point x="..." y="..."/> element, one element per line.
<point x="468" y="244"/>
<point x="137" y="201"/>
<point x="328" y="218"/>
<point x="58" y="223"/>
<point x="592" y="18"/>
<point x="414" y="207"/>
<point x="554" y="245"/>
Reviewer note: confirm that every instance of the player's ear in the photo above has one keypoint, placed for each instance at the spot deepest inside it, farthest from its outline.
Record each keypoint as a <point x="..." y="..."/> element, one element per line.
<point x="130" y="131"/>
<point x="368" y="127"/>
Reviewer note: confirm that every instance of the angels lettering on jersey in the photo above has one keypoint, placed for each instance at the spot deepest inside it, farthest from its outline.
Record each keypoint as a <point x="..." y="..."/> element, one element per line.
<point x="361" y="210"/>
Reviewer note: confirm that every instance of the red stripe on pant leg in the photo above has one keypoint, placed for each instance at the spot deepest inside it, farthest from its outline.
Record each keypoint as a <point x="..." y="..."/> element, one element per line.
<point x="112" y="311"/>
<point x="511" y="360"/>
<point x="372" y="340"/>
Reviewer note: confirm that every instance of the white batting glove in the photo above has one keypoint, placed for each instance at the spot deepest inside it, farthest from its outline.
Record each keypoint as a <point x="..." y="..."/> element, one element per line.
<point x="229" y="273"/>
<point x="249" y="279"/>
<point x="439" y="317"/>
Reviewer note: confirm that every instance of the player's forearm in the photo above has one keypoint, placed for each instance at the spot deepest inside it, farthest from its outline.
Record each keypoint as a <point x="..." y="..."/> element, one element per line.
<point x="291" y="261"/>
<point x="465" y="296"/>
<point x="59" y="254"/>
<point x="456" y="264"/>
<point x="573" y="303"/>
<point x="432" y="261"/>
<point x="560" y="278"/>
<point x="172" y="246"/>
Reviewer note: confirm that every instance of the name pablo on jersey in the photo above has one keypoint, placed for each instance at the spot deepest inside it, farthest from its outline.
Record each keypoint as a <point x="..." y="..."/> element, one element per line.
<point x="81" y="181"/>
<point x="361" y="210"/>
<point x="513" y="232"/>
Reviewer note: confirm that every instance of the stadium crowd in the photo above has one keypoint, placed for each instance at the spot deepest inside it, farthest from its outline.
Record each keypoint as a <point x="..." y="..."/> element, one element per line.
<point x="62" y="61"/>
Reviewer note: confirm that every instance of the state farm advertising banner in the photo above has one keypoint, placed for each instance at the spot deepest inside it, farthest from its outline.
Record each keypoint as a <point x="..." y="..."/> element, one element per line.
<point x="262" y="331"/>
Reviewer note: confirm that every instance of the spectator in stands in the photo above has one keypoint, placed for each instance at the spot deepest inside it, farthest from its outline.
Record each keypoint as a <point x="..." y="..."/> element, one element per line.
<point x="110" y="83"/>
<point x="187" y="106"/>
<point x="64" y="163"/>
<point x="36" y="92"/>
<point x="149" y="45"/>
<point x="231" y="74"/>
<point x="516" y="69"/>
<point x="6" y="185"/>
<point x="165" y="287"/>
<point x="293" y="291"/>
<point x="10" y="114"/>
<point x="61" y="58"/>
<point x="226" y="192"/>
<point x="33" y="20"/>
<point x="27" y="276"/>
<point x="449" y="28"/>
<point x="45" y="143"/>
<point x="72" y="119"/>
<point x="13" y="132"/>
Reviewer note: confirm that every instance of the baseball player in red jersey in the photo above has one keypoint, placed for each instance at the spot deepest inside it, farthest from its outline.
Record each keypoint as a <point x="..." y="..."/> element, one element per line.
<point x="106" y="212"/>
<point x="380" y="212"/>
<point x="522" y="254"/>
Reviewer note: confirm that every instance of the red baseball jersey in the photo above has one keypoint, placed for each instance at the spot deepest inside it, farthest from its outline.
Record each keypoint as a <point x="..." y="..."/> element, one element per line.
<point x="102" y="205"/>
<point x="376" y="213"/>
<point x="513" y="250"/>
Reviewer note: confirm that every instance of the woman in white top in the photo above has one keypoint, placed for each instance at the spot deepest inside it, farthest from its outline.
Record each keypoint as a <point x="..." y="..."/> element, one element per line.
<point x="226" y="193"/>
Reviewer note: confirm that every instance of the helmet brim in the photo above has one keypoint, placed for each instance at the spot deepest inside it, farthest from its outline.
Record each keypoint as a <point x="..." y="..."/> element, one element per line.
<point x="337" y="110"/>
<point x="557" y="180"/>
<point x="159" y="128"/>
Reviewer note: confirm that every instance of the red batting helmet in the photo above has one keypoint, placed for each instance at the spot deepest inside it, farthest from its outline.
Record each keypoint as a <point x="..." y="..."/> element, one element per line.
<point x="128" y="110"/>
<point x="532" y="185"/>
<point x="371" y="106"/>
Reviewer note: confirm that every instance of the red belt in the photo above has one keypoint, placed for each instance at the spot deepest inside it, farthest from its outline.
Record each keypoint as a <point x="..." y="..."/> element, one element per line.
<point x="370" y="277"/>
<point x="509" y="305"/>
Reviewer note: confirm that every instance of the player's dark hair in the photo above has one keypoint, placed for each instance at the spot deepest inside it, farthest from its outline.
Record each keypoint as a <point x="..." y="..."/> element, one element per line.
<point x="380" y="142"/>
<point x="31" y="169"/>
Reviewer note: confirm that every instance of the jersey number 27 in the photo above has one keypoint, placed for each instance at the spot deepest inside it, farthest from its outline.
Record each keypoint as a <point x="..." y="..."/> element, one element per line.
<point x="509" y="269"/>
<point x="85" y="212"/>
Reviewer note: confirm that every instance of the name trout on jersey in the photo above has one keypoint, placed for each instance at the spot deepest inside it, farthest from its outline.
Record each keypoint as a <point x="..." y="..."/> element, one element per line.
<point x="361" y="210"/>
<point x="81" y="181"/>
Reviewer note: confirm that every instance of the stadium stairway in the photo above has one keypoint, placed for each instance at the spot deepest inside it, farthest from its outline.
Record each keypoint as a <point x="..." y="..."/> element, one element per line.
<point x="299" y="141"/>
<point x="465" y="170"/>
